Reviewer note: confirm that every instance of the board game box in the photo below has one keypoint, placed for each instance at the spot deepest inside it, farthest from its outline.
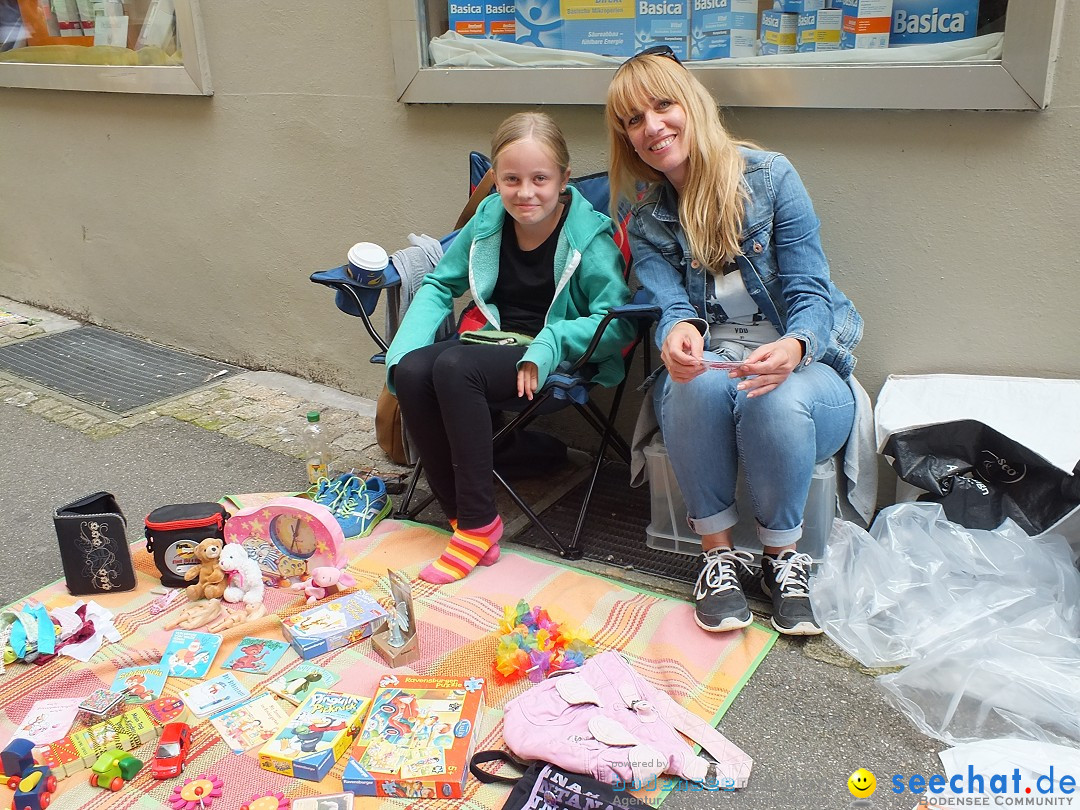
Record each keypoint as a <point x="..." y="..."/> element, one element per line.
<point x="318" y="732"/>
<point x="335" y="624"/>
<point x="418" y="738"/>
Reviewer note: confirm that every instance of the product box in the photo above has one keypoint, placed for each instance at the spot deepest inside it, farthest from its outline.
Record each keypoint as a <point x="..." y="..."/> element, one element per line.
<point x="819" y="31"/>
<point x="467" y="17"/>
<point x="599" y="26"/>
<point x="539" y="23"/>
<point x="866" y="24"/>
<point x="664" y="22"/>
<point x="921" y="22"/>
<point x="720" y="29"/>
<point x="315" y="736"/>
<point x="799" y="6"/>
<point x="326" y="627"/>
<point x="778" y="32"/>
<point x="418" y="738"/>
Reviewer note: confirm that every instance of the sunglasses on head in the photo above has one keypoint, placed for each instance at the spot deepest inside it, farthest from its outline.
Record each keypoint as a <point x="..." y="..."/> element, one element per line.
<point x="657" y="50"/>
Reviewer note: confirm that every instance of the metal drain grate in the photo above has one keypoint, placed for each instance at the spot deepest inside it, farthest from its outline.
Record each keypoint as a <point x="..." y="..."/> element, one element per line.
<point x="615" y="528"/>
<point x="107" y="369"/>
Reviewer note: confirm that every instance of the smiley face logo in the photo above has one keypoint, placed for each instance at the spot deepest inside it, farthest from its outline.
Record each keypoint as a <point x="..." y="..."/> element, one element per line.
<point x="861" y="784"/>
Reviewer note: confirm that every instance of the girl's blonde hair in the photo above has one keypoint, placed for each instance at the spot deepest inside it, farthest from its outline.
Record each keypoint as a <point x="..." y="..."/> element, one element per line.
<point x="536" y="126"/>
<point x="713" y="200"/>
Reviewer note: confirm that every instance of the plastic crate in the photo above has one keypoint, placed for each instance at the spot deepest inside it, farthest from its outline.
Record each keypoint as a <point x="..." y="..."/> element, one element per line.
<point x="669" y="531"/>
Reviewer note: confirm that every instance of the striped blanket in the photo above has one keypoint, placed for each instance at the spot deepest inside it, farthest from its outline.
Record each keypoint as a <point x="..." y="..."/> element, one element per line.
<point x="457" y="632"/>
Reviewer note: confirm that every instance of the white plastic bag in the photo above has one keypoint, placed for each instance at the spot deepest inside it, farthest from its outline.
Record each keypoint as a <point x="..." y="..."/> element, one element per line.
<point x="986" y="621"/>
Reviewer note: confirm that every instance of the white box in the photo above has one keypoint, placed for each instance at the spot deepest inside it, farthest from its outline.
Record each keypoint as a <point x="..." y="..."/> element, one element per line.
<point x="720" y="29"/>
<point x="920" y="22"/>
<point x="866" y="24"/>
<point x="778" y="31"/>
<point x="798" y="6"/>
<point x="668" y="530"/>
<point x="819" y="31"/>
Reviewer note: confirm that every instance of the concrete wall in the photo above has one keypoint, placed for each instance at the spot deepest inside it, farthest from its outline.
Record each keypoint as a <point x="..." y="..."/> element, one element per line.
<point x="196" y="221"/>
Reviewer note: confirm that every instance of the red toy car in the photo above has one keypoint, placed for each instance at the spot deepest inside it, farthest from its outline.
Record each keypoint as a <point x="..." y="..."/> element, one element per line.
<point x="171" y="752"/>
<point x="35" y="789"/>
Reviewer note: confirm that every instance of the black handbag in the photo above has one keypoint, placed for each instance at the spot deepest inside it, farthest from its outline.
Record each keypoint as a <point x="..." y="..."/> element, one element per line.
<point x="544" y="786"/>
<point x="93" y="546"/>
<point x="173" y="531"/>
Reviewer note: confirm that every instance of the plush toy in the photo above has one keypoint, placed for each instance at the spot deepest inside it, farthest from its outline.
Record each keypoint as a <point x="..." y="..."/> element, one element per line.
<point x="324" y="580"/>
<point x="245" y="579"/>
<point x="208" y="576"/>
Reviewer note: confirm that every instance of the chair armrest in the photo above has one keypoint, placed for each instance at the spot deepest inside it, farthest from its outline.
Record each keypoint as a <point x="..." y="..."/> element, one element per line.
<point x="642" y="315"/>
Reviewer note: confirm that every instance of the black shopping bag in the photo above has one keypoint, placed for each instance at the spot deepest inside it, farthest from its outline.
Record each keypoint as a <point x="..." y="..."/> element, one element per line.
<point x="980" y="476"/>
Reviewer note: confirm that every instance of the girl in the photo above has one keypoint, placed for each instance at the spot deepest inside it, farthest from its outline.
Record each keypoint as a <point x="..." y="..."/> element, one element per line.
<point x="539" y="261"/>
<point x="726" y="242"/>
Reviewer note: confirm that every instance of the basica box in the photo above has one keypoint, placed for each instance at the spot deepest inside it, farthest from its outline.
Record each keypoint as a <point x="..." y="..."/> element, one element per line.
<point x="327" y="627"/>
<point x="866" y="24"/>
<point x="418" y="738"/>
<point x="720" y="29"/>
<point x="778" y="32"/>
<point x="491" y="19"/>
<point x="819" y="31"/>
<point x="318" y="732"/>
<point x="663" y="22"/>
<point x="798" y="6"/>
<point x="539" y="23"/>
<point x="599" y="26"/>
<point x="921" y="22"/>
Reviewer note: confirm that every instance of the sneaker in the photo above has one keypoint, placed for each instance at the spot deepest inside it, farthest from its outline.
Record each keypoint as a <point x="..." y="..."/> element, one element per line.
<point x="719" y="602"/>
<point x="330" y="492"/>
<point x="786" y="579"/>
<point x="363" y="504"/>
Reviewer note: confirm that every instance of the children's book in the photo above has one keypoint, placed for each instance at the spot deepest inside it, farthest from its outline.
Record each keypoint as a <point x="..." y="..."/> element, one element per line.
<point x="190" y="654"/>
<point x="418" y="738"/>
<point x="251" y="723"/>
<point x="210" y="697"/>
<point x="319" y="731"/>
<point x="326" y="801"/>
<point x="143" y="684"/>
<point x="255" y="655"/>
<point x="301" y="681"/>
<point x="48" y="720"/>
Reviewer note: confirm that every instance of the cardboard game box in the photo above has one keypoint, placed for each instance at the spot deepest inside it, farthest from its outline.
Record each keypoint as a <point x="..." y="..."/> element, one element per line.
<point x="316" y="735"/>
<point x="327" y="627"/>
<point x="418" y="738"/>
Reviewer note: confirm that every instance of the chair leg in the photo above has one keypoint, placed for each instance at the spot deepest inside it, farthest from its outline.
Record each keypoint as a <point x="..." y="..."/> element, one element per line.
<point x="404" y="510"/>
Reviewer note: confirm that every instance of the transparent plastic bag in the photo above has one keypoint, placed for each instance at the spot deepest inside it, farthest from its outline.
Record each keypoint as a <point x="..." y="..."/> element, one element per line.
<point x="986" y="622"/>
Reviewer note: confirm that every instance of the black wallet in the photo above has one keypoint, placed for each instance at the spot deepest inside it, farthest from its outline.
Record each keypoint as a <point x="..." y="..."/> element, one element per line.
<point x="93" y="546"/>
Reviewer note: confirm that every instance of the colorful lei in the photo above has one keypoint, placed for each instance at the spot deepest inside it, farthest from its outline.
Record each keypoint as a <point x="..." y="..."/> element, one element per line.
<point x="532" y="644"/>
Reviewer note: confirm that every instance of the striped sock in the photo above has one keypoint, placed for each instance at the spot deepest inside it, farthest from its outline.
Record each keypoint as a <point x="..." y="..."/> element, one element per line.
<point x="491" y="556"/>
<point x="467" y="547"/>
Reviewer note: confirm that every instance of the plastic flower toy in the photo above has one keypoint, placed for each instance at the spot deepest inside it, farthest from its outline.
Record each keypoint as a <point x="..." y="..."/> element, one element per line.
<point x="532" y="644"/>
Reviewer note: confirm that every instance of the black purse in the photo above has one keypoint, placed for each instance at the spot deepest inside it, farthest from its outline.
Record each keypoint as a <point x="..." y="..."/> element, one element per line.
<point x="544" y="786"/>
<point x="93" y="546"/>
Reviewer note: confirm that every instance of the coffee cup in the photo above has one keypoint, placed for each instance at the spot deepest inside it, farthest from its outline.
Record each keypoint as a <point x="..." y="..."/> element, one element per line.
<point x="367" y="263"/>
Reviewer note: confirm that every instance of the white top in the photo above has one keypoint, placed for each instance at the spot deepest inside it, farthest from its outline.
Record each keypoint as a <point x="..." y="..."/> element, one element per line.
<point x="733" y="315"/>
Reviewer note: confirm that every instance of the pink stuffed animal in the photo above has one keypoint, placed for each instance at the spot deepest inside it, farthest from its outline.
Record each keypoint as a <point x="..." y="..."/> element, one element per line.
<point x="324" y="581"/>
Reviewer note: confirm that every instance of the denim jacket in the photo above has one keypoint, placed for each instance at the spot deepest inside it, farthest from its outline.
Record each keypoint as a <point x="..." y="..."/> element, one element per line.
<point x="783" y="265"/>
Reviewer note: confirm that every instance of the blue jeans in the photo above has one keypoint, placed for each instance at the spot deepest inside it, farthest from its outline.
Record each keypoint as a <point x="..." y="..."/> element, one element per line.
<point x="710" y="428"/>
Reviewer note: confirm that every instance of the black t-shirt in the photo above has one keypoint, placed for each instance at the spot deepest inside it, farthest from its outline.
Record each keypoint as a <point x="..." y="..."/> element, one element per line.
<point x="526" y="283"/>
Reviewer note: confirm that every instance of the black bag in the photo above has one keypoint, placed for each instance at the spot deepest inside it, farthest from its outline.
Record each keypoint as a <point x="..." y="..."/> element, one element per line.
<point x="172" y="533"/>
<point x="93" y="546"/>
<point x="548" y="787"/>
<point x="980" y="476"/>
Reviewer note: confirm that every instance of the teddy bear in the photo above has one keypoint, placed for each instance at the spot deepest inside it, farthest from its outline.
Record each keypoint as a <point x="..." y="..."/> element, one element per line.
<point x="245" y="578"/>
<point x="210" y="579"/>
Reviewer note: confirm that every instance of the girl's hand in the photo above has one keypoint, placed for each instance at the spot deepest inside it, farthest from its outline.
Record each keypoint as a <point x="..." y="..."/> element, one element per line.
<point x="768" y="366"/>
<point x="681" y="352"/>
<point x="527" y="378"/>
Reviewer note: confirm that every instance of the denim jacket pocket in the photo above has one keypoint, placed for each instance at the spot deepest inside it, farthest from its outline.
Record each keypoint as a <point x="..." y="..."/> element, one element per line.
<point x="756" y="247"/>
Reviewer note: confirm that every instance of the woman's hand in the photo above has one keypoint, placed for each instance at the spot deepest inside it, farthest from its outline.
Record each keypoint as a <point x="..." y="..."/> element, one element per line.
<point x="681" y="352"/>
<point x="527" y="379"/>
<point x="770" y="365"/>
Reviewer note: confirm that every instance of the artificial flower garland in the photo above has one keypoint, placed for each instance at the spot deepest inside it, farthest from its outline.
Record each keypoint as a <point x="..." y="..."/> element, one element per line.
<point x="532" y="644"/>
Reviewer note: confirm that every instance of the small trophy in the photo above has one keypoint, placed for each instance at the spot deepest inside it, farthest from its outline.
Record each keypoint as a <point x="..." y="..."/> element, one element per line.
<point x="398" y="644"/>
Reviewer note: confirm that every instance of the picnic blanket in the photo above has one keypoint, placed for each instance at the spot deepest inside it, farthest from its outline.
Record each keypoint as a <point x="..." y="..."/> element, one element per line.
<point x="457" y="631"/>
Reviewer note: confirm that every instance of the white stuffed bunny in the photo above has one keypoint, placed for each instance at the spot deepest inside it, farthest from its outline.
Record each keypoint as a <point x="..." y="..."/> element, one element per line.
<point x="245" y="579"/>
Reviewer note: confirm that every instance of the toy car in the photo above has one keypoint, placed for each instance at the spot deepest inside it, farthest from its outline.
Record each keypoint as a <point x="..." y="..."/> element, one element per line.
<point x="34" y="791"/>
<point x="16" y="759"/>
<point x="113" y="768"/>
<point x="171" y="752"/>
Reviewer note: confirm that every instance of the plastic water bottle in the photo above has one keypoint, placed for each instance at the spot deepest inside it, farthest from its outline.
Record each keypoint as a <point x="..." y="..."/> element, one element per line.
<point x="317" y="452"/>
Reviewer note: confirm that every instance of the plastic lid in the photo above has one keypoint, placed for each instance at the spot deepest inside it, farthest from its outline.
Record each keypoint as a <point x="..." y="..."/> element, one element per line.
<point x="313" y="416"/>
<point x="368" y="256"/>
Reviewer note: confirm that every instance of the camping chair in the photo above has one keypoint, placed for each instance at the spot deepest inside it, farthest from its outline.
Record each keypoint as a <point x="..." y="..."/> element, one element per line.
<point x="568" y="385"/>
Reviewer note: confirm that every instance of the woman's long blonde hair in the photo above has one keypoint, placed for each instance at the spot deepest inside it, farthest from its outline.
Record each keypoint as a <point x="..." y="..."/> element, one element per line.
<point x="713" y="200"/>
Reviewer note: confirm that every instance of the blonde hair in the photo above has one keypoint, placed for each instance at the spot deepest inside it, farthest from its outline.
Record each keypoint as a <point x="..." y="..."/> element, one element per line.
<point x="535" y="126"/>
<point x="713" y="200"/>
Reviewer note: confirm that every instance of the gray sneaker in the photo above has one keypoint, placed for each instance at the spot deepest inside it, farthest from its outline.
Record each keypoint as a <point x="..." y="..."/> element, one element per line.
<point x="786" y="579"/>
<point x="719" y="602"/>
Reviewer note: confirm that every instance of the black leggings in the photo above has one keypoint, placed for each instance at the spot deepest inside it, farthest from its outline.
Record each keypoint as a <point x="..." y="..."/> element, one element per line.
<point x="445" y="391"/>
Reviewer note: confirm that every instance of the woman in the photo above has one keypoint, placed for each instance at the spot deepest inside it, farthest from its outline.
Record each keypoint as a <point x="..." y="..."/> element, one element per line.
<point x="540" y="262"/>
<point x="726" y="242"/>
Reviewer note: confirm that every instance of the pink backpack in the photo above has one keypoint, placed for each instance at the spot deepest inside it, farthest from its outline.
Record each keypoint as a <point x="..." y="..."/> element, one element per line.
<point x="604" y="720"/>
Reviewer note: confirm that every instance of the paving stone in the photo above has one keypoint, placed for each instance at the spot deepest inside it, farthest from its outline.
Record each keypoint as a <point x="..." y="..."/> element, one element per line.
<point x="203" y="397"/>
<point x="105" y="430"/>
<point x="61" y="412"/>
<point x="43" y="405"/>
<point x="241" y="430"/>
<point x="251" y="410"/>
<point x="22" y="399"/>
<point x="81" y="421"/>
